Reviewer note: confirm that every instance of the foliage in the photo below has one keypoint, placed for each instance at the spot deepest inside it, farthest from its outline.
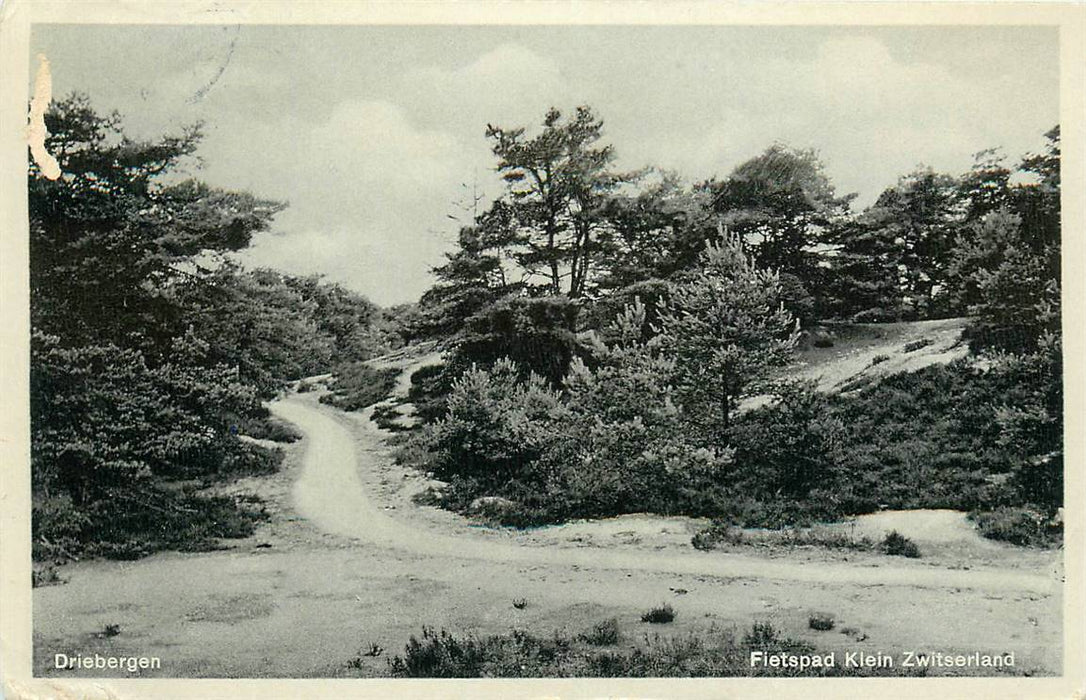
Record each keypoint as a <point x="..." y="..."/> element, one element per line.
<point x="1010" y="282"/>
<point x="788" y="449"/>
<point x="520" y="654"/>
<point x="357" y="385"/>
<point x="603" y="634"/>
<point x="726" y="328"/>
<point x="150" y="351"/>
<point x="659" y="615"/>
<point x="538" y="334"/>
<point x="822" y="622"/>
<point x="720" y="531"/>
<point x="559" y="184"/>
<point x="1025" y="527"/>
<point x="897" y="545"/>
<point x="781" y="205"/>
<point x="495" y="428"/>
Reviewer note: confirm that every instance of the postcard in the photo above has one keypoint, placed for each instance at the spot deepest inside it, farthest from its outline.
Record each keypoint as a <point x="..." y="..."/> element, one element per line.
<point x="574" y="350"/>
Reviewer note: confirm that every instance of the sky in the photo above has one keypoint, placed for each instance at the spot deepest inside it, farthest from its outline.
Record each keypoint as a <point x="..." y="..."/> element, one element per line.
<point x="374" y="136"/>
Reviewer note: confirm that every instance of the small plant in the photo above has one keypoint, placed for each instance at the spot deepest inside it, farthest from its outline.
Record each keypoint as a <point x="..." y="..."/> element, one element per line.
<point x="45" y="575"/>
<point x="520" y="603"/>
<point x="373" y="649"/>
<point x="603" y="633"/>
<point x="659" y="615"/>
<point x="719" y="531"/>
<point x="761" y="634"/>
<point x="110" y="631"/>
<point x="855" y="633"/>
<point x="820" y="621"/>
<point x="917" y="344"/>
<point x="879" y="359"/>
<point x="897" y="545"/>
<point x="304" y="386"/>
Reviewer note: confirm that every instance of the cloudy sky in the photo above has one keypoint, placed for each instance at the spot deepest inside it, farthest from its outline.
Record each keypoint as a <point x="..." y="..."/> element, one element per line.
<point x="374" y="135"/>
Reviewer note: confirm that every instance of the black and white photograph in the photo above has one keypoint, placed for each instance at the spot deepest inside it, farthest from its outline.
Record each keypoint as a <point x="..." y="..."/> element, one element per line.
<point x="400" y="350"/>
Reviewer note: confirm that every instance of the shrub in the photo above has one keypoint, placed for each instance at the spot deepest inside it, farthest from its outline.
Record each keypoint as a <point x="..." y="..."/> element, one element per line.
<point x="495" y="430"/>
<point x="1025" y="527"/>
<point x="45" y="575"/>
<point x="267" y="427"/>
<point x="357" y="385"/>
<point x="879" y="359"/>
<point x="915" y="345"/>
<point x="602" y="634"/>
<point x="536" y="333"/>
<point x="821" y="622"/>
<point x="823" y="342"/>
<point x="896" y="544"/>
<point x="785" y="449"/>
<point x="659" y="615"/>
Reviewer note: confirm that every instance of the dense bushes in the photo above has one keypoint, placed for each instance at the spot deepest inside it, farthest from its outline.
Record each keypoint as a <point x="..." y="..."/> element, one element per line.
<point x="1022" y="526"/>
<point x="150" y="352"/>
<point x="108" y="433"/>
<point x="942" y="437"/>
<point x="704" y="653"/>
<point x="612" y="442"/>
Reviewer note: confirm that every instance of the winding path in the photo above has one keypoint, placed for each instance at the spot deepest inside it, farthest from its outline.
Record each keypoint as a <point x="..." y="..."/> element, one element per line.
<point x="330" y="493"/>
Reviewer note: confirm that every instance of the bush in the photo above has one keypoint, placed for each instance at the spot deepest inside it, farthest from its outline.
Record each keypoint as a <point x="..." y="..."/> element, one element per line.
<point x="917" y="344"/>
<point x="879" y="359"/>
<point x="264" y="426"/>
<point x="495" y="430"/>
<point x="1025" y="527"/>
<point x="356" y="385"/>
<point x="659" y="615"/>
<point x="536" y="333"/>
<point x="896" y="544"/>
<point x="603" y="634"/>
<point x="785" y="450"/>
<point x="45" y="575"/>
<point x="821" y="622"/>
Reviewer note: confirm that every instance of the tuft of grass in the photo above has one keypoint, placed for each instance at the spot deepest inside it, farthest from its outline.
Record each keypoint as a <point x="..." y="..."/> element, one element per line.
<point x="520" y="603"/>
<point x="917" y="344"/>
<point x="659" y="615"/>
<point x="822" y="622"/>
<point x="110" y="631"/>
<point x="897" y="545"/>
<point x="45" y="575"/>
<point x="602" y="634"/>
<point x="720" y="532"/>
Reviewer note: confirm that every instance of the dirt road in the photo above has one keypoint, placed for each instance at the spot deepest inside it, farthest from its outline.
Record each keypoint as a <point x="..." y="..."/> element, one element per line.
<point x="347" y="561"/>
<point x="331" y="494"/>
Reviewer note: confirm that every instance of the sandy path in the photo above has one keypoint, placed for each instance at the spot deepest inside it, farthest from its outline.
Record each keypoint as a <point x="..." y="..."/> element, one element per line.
<point x="331" y="494"/>
<point x="346" y="561"/>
